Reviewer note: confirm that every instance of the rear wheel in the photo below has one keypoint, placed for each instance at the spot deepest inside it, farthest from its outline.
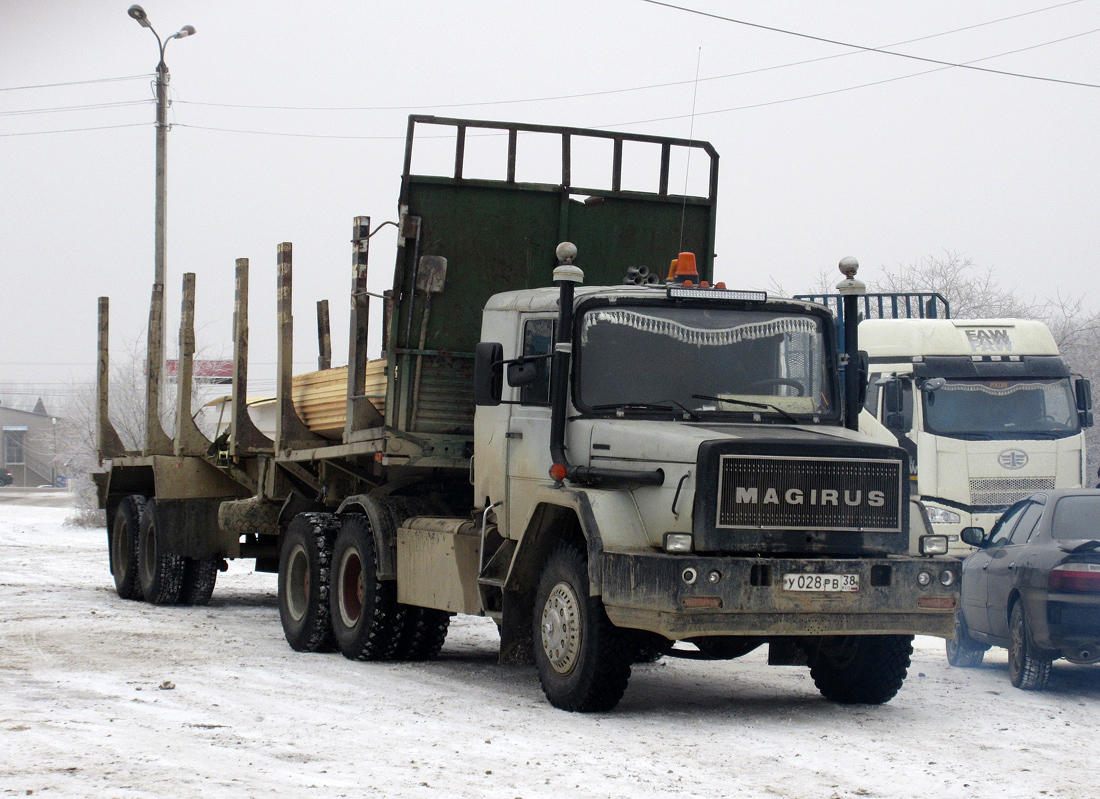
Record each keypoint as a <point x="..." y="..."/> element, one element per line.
<point x="122" y="548"/>
<point x="963" y="651"/>
<point x="161" y="573"/>
<point x="1028" y="668"/>
<point x="367" y="620"/>
<point x="583" y="659"/>
<point x="199" y="577"/>
<point x="305" y="566"/>
<point x="860" y="669"/>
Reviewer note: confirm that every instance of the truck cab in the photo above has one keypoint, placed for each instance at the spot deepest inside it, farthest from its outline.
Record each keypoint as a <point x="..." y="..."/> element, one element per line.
<point x="987" y="409"/>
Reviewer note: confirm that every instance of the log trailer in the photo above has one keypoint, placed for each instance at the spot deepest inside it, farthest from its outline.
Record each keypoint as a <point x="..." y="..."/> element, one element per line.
<point x="607" y="467"/>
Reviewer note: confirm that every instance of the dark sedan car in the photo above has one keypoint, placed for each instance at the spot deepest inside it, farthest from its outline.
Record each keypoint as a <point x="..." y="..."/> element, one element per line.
<point x="1033" y="586"/>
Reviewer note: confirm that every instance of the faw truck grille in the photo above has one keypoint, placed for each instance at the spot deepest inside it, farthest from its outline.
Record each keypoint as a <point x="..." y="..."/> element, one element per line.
<point x="758" y="491"/>
<point x="1006" y="490"/>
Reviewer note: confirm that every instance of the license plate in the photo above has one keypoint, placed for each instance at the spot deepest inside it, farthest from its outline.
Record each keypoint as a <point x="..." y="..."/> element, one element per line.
<point x="821" y="582"/>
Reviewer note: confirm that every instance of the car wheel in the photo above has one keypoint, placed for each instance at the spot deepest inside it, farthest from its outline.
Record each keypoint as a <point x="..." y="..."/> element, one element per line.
<point x="1028" y="668"/>
<point x="963" y="651"/>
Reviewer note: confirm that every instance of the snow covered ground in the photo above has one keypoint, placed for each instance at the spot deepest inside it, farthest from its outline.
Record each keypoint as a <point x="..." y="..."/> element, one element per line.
<point x="101" y="697"/>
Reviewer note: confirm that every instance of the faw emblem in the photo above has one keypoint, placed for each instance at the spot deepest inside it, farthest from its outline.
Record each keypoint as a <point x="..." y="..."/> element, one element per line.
<point x="1013" y="459"/>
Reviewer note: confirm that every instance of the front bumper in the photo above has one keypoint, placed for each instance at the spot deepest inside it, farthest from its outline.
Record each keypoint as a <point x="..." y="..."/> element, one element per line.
<point x="648" y="591"/>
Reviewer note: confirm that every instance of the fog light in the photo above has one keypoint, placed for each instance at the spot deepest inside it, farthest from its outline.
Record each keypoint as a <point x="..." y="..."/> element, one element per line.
<point x="924" y="578"/>
<point x="947" y="577"/>
<point x="678" y="543"/>
<point x="933" y="545"/>
<point x="689" y="575"/>
<point x="714" y="577"/>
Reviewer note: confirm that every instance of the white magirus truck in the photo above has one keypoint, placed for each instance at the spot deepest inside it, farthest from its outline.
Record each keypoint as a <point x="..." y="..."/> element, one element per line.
<point x="987" y="409"/>
<point x="606" y="467"/>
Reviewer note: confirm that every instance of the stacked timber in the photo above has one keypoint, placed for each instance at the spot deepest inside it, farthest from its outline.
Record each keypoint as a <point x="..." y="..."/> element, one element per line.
<point x="321" y="398"/>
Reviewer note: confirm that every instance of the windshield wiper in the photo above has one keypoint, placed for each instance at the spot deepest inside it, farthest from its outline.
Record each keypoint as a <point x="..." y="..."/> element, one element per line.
<point x="765" y="405"/>
<point x="647" y="406"/>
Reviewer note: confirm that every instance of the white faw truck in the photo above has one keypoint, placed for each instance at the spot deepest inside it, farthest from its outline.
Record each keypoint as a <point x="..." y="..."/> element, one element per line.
<point x="987" y="409"/>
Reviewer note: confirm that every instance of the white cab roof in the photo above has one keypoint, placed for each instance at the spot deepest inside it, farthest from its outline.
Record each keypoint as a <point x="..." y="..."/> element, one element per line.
<point x="905" y="338"/>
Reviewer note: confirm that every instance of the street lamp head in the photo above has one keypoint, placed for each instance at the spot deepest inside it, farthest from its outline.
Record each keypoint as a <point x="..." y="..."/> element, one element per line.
<point x="186" y="30"/>
<point x="138" y="13"/>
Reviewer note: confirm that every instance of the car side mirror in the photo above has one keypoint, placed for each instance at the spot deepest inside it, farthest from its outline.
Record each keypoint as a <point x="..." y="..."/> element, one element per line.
<point x="975" y="536"/>
<point x="488" y="373"/>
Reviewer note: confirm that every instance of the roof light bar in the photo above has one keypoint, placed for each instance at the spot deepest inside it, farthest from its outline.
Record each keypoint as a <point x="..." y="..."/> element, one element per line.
<point x="692" y="293"/>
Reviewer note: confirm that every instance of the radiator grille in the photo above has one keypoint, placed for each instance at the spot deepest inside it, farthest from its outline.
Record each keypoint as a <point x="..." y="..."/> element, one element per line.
<point x="809" y="494"/>
<point x="1006" y="490"/>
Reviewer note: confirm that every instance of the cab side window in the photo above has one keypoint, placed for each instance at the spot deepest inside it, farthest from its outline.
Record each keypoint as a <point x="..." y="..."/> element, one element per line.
<point x="538" y="339"/>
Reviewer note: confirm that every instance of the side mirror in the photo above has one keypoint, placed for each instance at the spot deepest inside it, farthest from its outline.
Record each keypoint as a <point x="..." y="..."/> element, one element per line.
<point x="488" y="373"/>
<point x="523" y="372"/>
<point x="864" y="361"/>
<point x="975" y="536"/>
<point x="1082" y="388"/>
<point x="894" y="416"/>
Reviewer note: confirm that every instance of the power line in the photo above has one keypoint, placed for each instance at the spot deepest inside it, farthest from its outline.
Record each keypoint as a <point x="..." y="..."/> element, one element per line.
<point x="75" y="130"/>
<point x="864" y="48"/>
<point x="846" y="88"/>
<point x="89" y="107"/>
<point x="606" y="92"/>
<point x="74" y="83"/>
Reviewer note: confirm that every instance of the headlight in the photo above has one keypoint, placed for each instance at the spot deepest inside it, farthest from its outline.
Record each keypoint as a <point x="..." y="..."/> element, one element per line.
<point x="942" y="515"/>
<point x="678" y="542"/>
<point x="933" y="545"/>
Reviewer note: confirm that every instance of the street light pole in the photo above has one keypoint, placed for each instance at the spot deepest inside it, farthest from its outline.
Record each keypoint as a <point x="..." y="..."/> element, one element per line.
<point x="154" y="436"/>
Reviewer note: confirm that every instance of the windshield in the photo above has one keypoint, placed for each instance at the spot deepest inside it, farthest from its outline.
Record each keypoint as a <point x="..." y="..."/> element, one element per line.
<point x="1001" y="409"/>
<point x="703" y="359"/>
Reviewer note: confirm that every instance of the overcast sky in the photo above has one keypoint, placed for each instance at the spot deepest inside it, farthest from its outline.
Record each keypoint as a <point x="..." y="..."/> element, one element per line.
<point x="815" y="163"/>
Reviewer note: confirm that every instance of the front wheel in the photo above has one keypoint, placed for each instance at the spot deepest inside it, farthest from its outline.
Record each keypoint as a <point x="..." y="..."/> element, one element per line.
<point x="860" y="669"/>
<point x="1027" y="667"/>
<point x="963" y="651"/>
<point x="583" y="659"/>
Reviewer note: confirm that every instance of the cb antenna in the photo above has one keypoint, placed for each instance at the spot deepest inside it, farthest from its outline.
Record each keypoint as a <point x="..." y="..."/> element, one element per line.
<point x="691" y="134"/>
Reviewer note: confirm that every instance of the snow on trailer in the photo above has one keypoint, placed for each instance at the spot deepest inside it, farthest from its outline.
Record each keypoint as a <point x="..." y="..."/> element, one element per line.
<point x="604" y="468"/>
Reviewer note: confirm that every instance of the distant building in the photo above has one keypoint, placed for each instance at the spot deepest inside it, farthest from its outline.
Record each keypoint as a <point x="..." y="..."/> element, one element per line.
<point x="28" y="448"/>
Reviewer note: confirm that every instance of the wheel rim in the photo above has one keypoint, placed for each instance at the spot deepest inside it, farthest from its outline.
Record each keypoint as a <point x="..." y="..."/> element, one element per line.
<point x="297" y="594"/>
<point x="561" y="628"/>
<point x="119" y="551"/>
<point x="351" y="588"/>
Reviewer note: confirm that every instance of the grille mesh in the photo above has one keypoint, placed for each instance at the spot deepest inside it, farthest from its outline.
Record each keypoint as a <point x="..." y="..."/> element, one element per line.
<point x="1006" y="490"/>
<point x="809" y="494"/>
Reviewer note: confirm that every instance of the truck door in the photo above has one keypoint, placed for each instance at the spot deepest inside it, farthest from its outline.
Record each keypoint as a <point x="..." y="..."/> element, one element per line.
<point x="528" y="435"/>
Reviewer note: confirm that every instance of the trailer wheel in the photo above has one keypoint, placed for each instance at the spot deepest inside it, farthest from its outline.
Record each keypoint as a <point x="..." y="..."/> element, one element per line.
<point x="1027" y="668"/>
<point x="423" y="634"/>
<point x="161" y="573"/>
<point x="964" y="652"/>
<point x="199" y="577"/>
<point x="583" y="659"/>
<point x="305" y="566"/>
<point x="122" y="546"/>
<point x="860" y="669"/>
<point x="367" y="620"/>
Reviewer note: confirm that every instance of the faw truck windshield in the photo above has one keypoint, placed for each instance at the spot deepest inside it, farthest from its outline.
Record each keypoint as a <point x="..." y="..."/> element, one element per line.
<point x="1005" y="409"/>
<point x="704" y="360"/>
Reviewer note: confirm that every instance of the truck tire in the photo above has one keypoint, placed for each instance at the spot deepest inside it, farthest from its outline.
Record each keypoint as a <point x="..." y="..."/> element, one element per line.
<point x="160" y="573"/>
<point x="423" y="633"/>
<point x="305" y="567"/>
<point x="964" y="652"/>
<point x="1028" y="668"/>
<point x="367" y="619"/>
<point x="583" y="659"/>
<point x="199" y="577"/>
<point x="860" y="669"/>
<point x="122" y="546"/>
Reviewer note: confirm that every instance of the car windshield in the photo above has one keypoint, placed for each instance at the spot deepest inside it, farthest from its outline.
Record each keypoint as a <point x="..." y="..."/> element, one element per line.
<point x="1077" y="518"/>
<point x="646" y="358"/>
<point x="1001" y="409"/>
